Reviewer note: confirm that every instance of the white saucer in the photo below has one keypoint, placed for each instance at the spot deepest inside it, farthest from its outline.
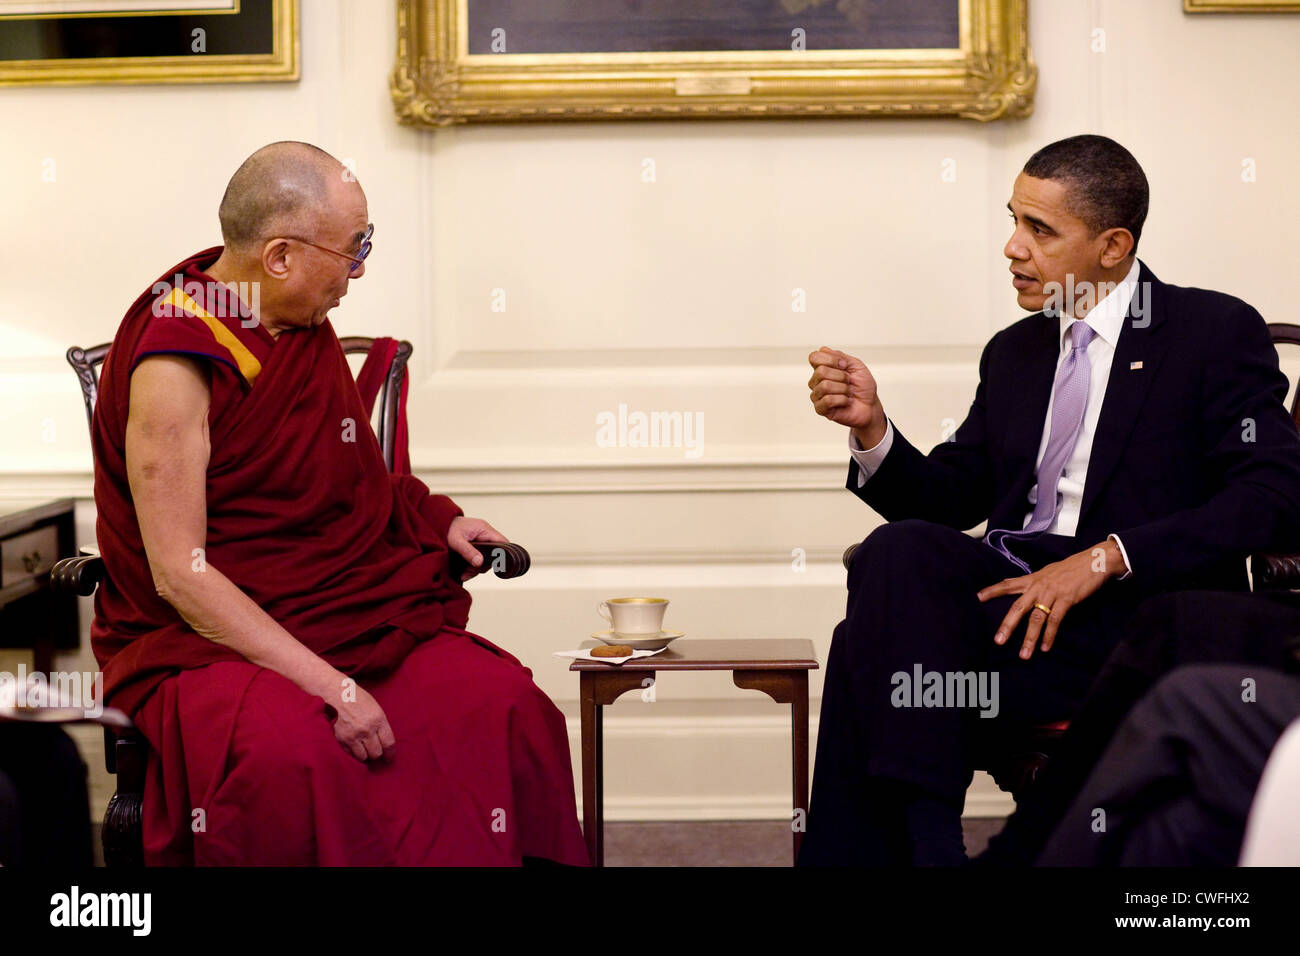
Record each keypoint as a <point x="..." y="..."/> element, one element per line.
<point x="648" y="642"/>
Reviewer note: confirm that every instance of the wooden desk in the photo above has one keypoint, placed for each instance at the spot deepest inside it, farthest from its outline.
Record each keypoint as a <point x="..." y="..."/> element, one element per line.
<point x="33" y="535"/>
<point x="777" y="667"/>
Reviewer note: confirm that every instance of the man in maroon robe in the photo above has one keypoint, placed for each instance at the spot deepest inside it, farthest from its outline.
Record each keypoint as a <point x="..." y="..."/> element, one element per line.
<point x="282" y="617"/>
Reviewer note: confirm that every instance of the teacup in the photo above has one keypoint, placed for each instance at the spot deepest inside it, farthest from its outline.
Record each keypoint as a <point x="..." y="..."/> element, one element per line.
<point x="632" y="616"/>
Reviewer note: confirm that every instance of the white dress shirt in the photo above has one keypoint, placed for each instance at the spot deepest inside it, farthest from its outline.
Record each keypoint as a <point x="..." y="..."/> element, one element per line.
<point x="1106" y="319"/>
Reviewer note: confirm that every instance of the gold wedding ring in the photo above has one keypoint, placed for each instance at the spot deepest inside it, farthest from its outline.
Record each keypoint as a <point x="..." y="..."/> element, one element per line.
<point x="1045" y="610"/>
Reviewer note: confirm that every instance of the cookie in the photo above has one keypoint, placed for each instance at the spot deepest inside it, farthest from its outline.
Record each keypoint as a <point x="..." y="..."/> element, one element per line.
<point x="611" y="650"/>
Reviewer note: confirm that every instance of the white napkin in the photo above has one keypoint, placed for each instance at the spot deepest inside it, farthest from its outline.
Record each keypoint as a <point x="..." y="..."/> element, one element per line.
<point x="585" y="655"/>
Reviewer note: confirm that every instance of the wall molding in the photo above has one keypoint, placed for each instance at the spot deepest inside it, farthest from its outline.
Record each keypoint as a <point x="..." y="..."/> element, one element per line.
<point x="766" y="796"/>
<point x="753" y="362"/>
<point x="757" y="807"/>
<point x="478" y="475"/>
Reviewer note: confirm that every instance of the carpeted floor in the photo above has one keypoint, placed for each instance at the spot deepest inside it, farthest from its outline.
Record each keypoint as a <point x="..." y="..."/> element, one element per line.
<point x="730" y="843"/>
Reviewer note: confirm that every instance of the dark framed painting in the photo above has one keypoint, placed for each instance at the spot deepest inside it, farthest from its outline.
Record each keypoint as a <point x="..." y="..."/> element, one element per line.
<point x="147" y="41"/>
<point x="482" y="60"/>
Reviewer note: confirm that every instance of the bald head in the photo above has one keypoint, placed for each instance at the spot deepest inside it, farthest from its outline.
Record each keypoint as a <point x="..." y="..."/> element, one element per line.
<point x="281" y="190"/>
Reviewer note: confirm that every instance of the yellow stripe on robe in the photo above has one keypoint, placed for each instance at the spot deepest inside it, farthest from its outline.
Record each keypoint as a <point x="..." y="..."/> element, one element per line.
<point x="248" y="365"/>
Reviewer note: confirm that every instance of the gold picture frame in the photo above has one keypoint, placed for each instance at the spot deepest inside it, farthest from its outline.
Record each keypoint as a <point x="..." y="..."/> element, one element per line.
<point x="1241" y="6"/>
<point x="437" y="82"/>
<point x="244" y="41"/>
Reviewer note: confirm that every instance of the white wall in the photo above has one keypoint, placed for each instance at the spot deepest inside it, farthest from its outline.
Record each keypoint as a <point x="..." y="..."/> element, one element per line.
<point x="674" y="295"/>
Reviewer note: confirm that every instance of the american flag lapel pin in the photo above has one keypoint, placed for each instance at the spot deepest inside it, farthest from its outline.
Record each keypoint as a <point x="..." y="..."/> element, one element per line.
<point x="1134" y="366"/>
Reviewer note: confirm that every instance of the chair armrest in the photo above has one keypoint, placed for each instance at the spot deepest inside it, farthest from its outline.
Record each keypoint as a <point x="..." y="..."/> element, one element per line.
<point x="1275" y="572"/>
<point x="848" y="555"/>
<point x="505" y="560"/>
<point x="80" y="575"/>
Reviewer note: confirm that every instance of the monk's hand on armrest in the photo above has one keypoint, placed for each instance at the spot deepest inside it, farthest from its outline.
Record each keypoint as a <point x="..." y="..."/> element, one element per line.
<point x="1058" y="586"/>
<point x="361" y="726"/>
<point x="843" y="390"/>
<point x="461" y="537"/>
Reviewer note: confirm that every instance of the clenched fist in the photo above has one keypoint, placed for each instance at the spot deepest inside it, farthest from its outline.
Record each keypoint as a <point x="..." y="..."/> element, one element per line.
<point x="844" y="391"/>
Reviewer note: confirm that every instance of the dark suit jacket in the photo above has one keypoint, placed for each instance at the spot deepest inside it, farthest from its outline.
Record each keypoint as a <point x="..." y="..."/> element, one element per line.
<point x="1195" y="462"/>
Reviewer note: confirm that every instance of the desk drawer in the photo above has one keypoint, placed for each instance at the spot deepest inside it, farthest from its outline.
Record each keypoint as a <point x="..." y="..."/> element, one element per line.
<point x="28" y="555"/>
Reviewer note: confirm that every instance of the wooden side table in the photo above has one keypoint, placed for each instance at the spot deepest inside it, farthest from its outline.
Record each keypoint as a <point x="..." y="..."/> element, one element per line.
<point x="777" y="667"/>
<point x="33" y="536"/>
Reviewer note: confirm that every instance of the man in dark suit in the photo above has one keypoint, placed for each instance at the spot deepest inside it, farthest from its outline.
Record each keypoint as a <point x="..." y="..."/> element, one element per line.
<point x="1126" y="439"/>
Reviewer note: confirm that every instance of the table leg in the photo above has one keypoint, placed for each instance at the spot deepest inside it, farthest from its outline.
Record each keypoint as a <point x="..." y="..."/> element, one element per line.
<point x="788" y="687"/>
<point x="598" y="858"/>
<point x="599" y="688"/>
<point x="592" y="785"/>
<point x="799" y="735"/>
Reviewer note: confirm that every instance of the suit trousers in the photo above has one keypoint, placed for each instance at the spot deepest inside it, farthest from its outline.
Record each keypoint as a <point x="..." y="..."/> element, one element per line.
<point x="913" y="611"/>
<point x="44" y="802"/>
<point x="1175" y="785"/>
<point x="1168" y="631"/>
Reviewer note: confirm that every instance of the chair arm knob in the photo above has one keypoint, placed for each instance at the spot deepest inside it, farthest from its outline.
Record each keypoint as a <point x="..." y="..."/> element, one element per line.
<point x="1275" y="572"/>
<point x="505" y="560"/>
<point x="80" y="575"/>
<point x="848" y="555"/>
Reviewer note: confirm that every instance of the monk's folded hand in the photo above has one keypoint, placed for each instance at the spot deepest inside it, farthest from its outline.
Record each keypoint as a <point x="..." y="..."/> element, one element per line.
<point x="361" y="726"/>
<point x="1058" y="586"/>
<point x="461" y="537"/>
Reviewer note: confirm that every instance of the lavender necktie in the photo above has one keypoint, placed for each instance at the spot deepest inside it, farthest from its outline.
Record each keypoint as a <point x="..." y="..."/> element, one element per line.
<point x="1070" y="398"/>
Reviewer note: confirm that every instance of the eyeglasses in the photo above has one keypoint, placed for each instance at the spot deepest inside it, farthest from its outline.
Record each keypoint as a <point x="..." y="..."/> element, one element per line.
<point x="356" y="260"/>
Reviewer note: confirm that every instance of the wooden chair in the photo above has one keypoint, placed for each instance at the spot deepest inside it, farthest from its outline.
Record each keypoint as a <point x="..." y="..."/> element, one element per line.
<point x="126" y="751"/>
<point x="1279" y="572"/>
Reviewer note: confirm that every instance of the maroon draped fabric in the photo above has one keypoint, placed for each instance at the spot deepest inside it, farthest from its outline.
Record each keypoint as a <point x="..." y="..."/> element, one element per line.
<point x="245" y="769"/>
<point x="369" y="381"/>
<point x="352" y="561"/>
<point x="302" y="514"/>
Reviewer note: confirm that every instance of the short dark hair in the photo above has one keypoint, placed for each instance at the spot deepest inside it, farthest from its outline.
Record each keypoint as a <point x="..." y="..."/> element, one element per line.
<point x="1105" y="186"/>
